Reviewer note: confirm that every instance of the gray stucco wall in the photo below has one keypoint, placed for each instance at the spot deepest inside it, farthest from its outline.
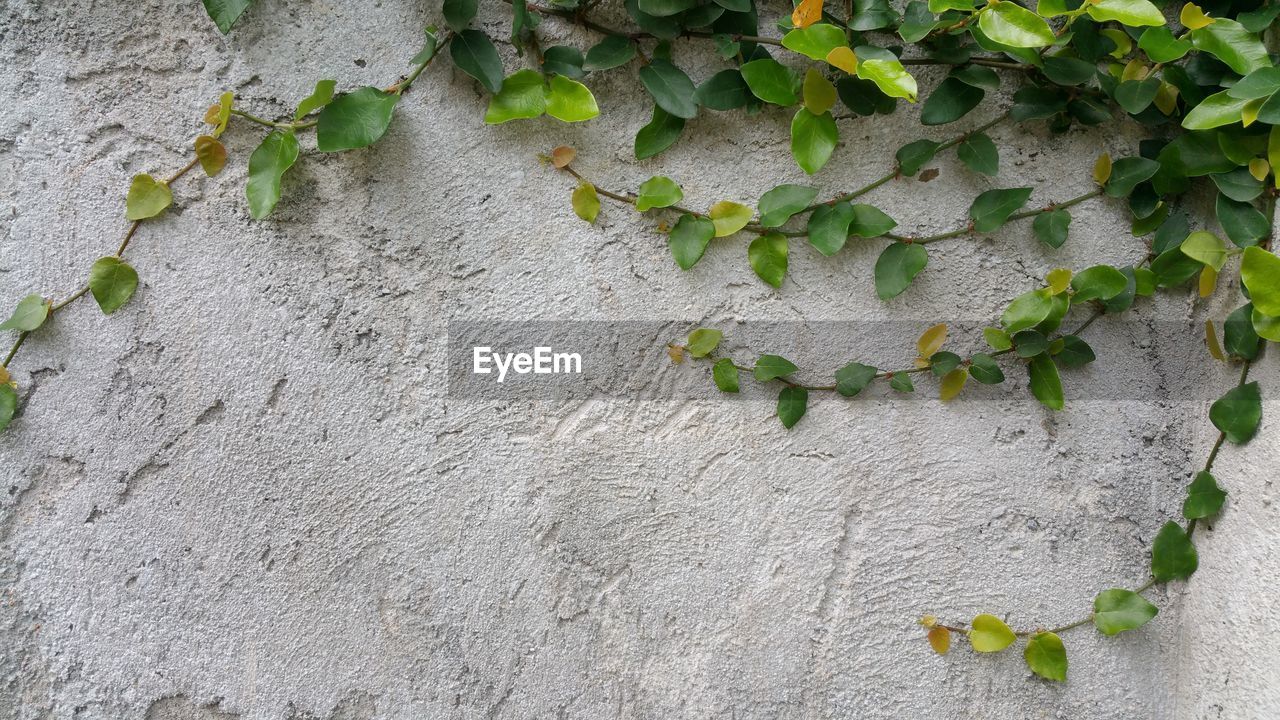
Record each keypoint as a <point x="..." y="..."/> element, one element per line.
<point x="249" y="494"/>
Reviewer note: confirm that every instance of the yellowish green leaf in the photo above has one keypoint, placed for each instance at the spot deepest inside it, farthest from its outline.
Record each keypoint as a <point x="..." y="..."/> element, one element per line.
<point x="586" y="202"/>
<point x="988" y="633"/>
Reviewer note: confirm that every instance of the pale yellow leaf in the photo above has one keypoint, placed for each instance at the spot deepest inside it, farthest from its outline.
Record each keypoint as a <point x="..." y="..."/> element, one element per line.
<point x="952" y="383"/>
<point x="1102" y="169"/>
<point x="1058" y="280"/>
<point x="1193" y="17"/>
<point x="843" y="58"/>
<point x="932" y="339"/>
<point x="1211" y="339"/>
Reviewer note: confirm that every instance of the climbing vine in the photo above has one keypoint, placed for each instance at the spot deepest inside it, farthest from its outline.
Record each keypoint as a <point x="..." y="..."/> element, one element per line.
<point x="1198" y="80"/>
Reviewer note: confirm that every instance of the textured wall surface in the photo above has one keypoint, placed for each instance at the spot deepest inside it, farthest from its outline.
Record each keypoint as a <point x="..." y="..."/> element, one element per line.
<point x="249" y="494"/>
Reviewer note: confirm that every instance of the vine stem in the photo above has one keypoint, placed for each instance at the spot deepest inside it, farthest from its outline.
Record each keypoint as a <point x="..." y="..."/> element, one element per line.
<point x="1208" y="463"/>
<point x="399" y="88"/>
<point x="969" y="230"/>
<point x="1098" y="311"/>
<point x="630" y="199"/>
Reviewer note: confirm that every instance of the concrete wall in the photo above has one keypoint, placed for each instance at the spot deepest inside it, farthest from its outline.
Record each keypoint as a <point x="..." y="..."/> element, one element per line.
<point x="249" y="494"/>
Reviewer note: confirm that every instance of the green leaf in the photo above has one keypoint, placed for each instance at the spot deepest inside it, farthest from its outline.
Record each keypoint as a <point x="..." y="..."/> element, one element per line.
<point x="950" y="101"/>
<point x="829" y="227"/>
<point x="112" y="283"/>
<point x="813" y="139"/>
<point x="729" y="217"/>
<point x="703" y="341"/>
<point x="768" y="257"/>
<point x="772" y="82"/>
<point x="1135" y="13"/>
<point x="1046" y="385"/>
<point x="980" y="155"/>
<point x="1126" y="173"/>
<point x="147" y="198"/>
<point x="869" y="221"/>
<point x="1214" y="111"/>
<point x="1204" y="497"/>
<point x="1228" y="41"/>
<point x="1173" y="557"/>
<point x="658" y="192"/>
<point x="522" y="97"/>
<point x="459" y="13"/>
<point x="586" y="202"/>
<point x="1263" y="82"/>
<point x="917" y="21"/>
<point x="664" y="8"/>
<point x="1065" y="70"/>
<point x="888" y="75"/>
<point x="1027" y="310"/>
<point x="357" y="119"/>
<point x="1117" y="610"/>
<point x="1161" y="46"/>
<point x="1238" y="413"/>
<point x="943" y="362"/>
<point x="913" y="156"/>
<point x="872" y="15"/>
<point x="1100" y="282"/>
<point x="1029" y="343"/>
<point x="1172" y="268"/>
<point x="984" y="369"/>
<point x="321" y="96"/>
<point x="1010" y="24"/>
<point x="988" y="633"/>
<point x="814" y="41"/>
<point x="902" y="383"/>
<point x="1241" y="221"/>
<point x="771" y="367"/>
<point x="779" y="204"/>
<point x="1074" y="352"/>
<point x="689" y="239"/>
<point x="726" y="90"/>
<point x="792" y="404"/>
<point x="1239" y="184"/>
<point x="1239" y="338"/>
<point x="725" y="375"/>
<point x="267" y="165"/>
<point x="997" y="339"/>
<point x="475" y="55"/>
<point x="897" y="266"/>
<point x="1045" y="654"/>
<point x="563" y="60"/>
<point x="570" y="101"/>
<point x="661" y="132"/>
<point x="8" y="405"/>
<point x="1260" y="272"/>
<point x="30" y="314"/>
<point x="1206" y="248"/>
<point x="429" y="47"/>
<point x="614" y="51"/>
<point x="1267" y="327"/>
<point x="1051" y="228"/>
<point x="225" y="12"/>
<point x="853" y="378"/>
<point x="992" y="208"/>
<point x="671" y="89"/>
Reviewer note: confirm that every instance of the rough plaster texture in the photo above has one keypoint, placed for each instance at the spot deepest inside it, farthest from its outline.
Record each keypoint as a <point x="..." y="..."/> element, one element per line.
<point x="248" y="495"/>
